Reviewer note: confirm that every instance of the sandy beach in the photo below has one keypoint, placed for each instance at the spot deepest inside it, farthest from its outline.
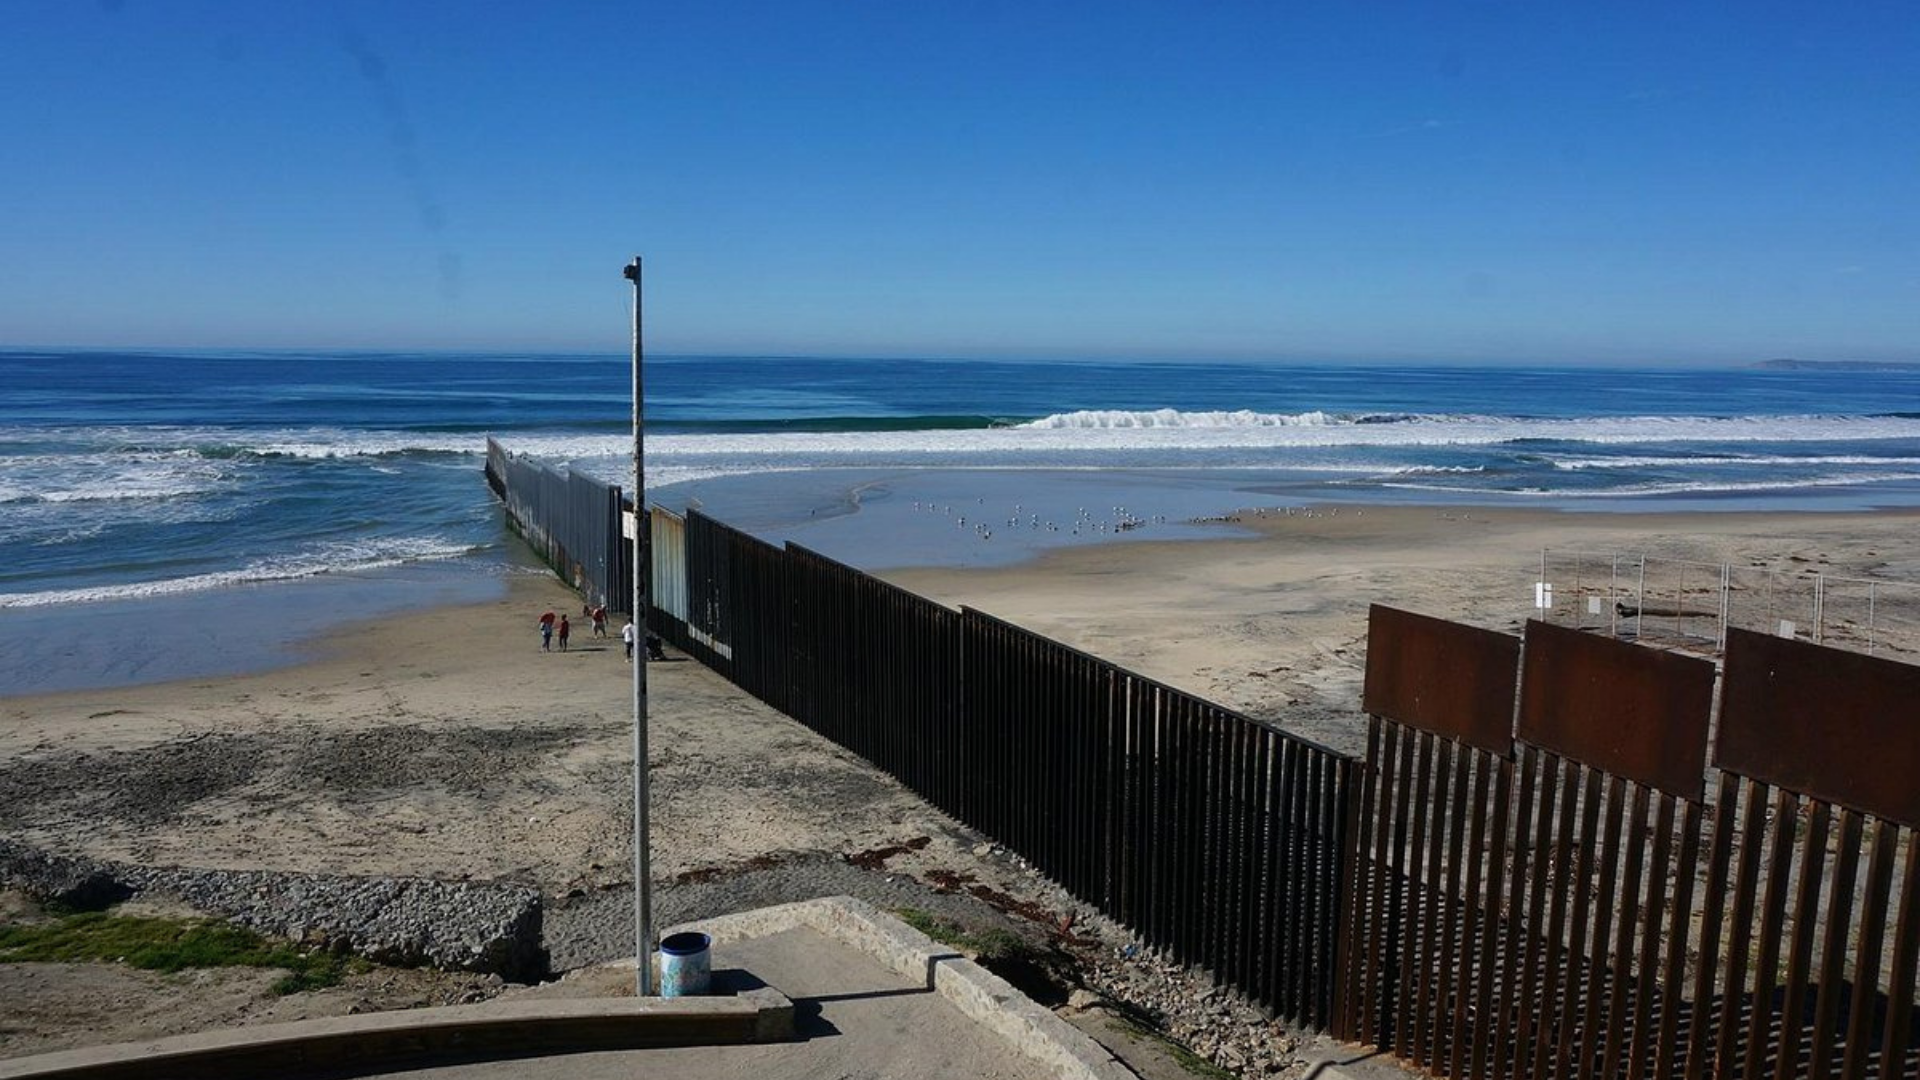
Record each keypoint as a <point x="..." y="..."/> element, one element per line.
<point x="446" y="744"/>
<point x="1274" y="623"/>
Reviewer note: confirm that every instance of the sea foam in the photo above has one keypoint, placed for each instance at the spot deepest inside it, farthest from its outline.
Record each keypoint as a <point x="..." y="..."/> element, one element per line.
<point x="334" y="558"/>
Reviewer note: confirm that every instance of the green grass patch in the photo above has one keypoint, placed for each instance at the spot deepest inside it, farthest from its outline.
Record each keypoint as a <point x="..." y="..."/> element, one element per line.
<point x="989" y="945"/>
<point x="1182" y="1056"/>
<point x="168" y="945"/>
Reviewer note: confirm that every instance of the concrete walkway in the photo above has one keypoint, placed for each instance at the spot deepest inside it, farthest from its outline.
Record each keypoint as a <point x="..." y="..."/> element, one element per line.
<point x="870" y="998"/>
<point x="829" y="988"/>
<point x="852" y="1018"/>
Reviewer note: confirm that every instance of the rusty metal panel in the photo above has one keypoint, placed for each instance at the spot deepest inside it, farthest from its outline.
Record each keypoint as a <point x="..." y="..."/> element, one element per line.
<point x="1444" y="677"/>
<point x="1836" y="725"/>
<point x="1632" y="711"/>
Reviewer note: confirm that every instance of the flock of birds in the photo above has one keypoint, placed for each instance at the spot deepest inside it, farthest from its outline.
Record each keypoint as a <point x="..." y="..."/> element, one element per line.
<point x="1084" y="522"/>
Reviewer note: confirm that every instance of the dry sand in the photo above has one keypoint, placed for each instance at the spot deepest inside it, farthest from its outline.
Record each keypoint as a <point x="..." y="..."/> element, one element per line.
<point x="1274" y="624"/>
<point x="447" y="744"/>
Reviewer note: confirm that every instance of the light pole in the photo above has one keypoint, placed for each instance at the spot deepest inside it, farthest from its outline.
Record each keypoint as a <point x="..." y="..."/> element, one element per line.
<point x="642" y="527"/>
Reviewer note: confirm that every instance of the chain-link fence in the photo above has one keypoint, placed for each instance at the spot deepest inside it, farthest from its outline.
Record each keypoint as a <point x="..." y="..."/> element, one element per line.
<point x="1689" y="605"/>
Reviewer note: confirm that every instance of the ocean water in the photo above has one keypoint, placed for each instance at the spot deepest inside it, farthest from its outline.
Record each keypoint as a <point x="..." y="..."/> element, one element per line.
<point x="250" y="499"/>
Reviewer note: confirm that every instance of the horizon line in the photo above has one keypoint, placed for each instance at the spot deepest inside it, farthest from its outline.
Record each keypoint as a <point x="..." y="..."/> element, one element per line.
<point x="1090" y="357"/>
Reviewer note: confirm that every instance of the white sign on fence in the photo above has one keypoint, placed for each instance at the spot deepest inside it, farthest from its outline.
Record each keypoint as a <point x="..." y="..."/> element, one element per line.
<point x="1543" y="595"/>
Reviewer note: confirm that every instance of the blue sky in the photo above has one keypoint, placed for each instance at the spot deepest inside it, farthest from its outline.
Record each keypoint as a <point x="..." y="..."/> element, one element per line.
<point x="1502" y="182"/>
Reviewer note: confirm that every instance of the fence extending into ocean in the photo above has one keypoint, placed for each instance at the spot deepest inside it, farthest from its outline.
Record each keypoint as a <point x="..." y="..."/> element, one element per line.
<point x="1533" y="871"/>
<point x="570" y="520"/>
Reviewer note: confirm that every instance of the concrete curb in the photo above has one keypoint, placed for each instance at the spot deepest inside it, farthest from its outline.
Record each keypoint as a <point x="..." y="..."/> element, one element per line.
<point x="381" y="1041"/>
<point x="531" y="1026"/>
<point x="979" y="994"/>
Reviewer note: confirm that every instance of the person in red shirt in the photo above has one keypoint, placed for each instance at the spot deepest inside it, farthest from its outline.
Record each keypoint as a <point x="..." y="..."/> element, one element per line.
<point x="564" y="631"/>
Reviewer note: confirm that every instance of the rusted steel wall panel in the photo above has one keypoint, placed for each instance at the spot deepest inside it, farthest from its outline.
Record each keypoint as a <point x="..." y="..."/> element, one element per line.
<point x="1633" y="712"/>
<point x="1837" y="725"/>
<point x="1439" y="676"/>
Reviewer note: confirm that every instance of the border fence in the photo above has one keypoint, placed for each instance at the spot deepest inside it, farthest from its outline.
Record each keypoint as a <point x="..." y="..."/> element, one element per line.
<point x="1578" y="895"/>
<point x="1692" y="605"/>
<point x="570" y="520"/>
<point x="1534" y="871"/>
<point x="1213" y="836"/>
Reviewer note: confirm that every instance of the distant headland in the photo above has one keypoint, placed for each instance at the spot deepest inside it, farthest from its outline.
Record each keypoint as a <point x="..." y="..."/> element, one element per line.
<point x="1840" y="365"/>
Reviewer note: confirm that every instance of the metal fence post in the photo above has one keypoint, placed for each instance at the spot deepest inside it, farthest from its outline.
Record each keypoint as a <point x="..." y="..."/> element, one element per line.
<point x="1870" y="617"/>
<point x="642" y="825"/>
<point x="1640" y="611"/>
<point x="1613" y="595"/>
<point x="1727" y="589"/>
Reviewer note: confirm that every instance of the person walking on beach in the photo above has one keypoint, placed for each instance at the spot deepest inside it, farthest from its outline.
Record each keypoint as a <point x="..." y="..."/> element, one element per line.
<point x="565" y="629"/>
<point x="626" y="635"/>
<point x="546" y="632"/>
<point x="600" y="621"/>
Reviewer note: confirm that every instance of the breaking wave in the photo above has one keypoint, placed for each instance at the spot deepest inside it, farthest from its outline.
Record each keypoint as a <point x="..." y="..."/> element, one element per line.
<point x="333" y="558"/>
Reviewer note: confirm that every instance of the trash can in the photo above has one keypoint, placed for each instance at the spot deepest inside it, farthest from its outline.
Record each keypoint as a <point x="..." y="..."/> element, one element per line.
<point x="686" y="964"/>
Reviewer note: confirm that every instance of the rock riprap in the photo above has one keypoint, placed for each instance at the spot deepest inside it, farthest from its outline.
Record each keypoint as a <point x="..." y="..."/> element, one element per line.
<point x="455" y="925"/>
